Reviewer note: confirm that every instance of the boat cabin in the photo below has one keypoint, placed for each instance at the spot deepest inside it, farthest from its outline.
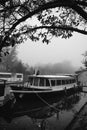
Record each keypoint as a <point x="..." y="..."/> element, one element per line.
<point x="50" y="80"/>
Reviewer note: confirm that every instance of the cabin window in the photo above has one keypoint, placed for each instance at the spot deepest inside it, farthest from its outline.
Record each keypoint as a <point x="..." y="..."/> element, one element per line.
<point x="47" y="82"/>
<point x="41" y="82"/>
<point x="53" y="82"/>
<point x="31" y="81"/>
<point x="19" y="76"/>
<point x="67" y="82"/>
<point x="58" y="82"/>
<point x="36" y="81"/>
<point x="73" y="80"/>
<point x="70" y="81"/>
<point x="63" y="82"/>
<point x="5" y="76"/>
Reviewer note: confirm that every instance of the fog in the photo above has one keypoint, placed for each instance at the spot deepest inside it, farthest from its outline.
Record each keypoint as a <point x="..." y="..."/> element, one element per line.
<point x="57" y="68"/>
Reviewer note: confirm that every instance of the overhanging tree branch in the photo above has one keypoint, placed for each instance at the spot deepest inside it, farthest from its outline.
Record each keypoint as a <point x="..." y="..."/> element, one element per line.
<point x="68" y="28"/>
<point x="82" y="3"/>
<point x="50" y="5"/>
<point x="27" y="11"/>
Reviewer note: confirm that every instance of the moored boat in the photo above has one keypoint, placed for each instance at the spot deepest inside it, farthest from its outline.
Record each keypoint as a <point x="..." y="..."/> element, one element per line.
<point x="45" y="86"/>
<point x="6" y="99"/>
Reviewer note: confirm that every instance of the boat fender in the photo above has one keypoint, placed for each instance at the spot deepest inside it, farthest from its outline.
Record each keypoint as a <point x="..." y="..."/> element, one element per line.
<point x="74" y="87"/>
<point x="65" y="90"/>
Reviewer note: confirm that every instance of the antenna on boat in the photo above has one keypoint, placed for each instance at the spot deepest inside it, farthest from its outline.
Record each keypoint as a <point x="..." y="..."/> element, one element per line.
<point x="37" y="72"/>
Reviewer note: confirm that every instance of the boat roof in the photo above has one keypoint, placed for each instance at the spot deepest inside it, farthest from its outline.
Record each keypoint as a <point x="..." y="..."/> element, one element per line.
<point x="52" y="76"/>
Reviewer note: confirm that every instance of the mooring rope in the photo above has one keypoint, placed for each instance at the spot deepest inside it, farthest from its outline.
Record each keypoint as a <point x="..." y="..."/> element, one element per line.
<point x="44" y="101"/>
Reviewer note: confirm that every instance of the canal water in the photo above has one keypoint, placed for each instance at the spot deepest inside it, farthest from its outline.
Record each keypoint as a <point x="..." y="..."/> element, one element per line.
<point x="53" y="114"/>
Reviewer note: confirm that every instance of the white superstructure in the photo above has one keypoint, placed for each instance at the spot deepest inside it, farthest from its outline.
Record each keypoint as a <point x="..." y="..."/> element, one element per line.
<point x="11" y="76"/>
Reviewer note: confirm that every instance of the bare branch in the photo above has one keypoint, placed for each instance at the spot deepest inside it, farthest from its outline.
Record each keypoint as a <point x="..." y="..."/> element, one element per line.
<point x="83" y="3"/>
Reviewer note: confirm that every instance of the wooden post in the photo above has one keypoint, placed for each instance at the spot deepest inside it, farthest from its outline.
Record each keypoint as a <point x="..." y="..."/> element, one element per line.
<point x="2" y="87"/>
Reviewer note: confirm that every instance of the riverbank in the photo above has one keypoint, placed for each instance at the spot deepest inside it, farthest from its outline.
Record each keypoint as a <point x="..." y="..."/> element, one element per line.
<point x="80" y="120"/>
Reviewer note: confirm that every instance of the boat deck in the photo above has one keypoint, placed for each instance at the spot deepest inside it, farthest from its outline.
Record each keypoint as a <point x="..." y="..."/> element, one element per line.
<point x="53" y="89"/>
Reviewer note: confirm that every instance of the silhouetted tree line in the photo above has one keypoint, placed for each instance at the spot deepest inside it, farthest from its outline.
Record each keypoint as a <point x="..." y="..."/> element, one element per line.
<point x="11" y="63"/>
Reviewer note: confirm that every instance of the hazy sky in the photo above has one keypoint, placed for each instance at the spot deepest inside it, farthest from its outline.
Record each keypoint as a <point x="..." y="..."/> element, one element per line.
<point x="59" y="50"/>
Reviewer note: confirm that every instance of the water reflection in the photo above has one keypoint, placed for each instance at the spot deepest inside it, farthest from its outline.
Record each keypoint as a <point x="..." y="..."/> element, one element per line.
<point x="42" y="115"/>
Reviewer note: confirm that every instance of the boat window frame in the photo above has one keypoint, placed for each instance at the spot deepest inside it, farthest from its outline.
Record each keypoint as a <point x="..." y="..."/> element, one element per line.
<point x="53" y="80"/>
<point x="47" y="79"/>
<point x="31" y="83"/>
<point x="57" y="82"/>
<point x="43" y="84"/>
<point x="34" y="81"/>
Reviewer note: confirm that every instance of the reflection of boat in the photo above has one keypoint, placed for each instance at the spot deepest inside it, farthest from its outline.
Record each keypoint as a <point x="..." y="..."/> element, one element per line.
<point x="40" y="110"/>
<point x="40" y="116"/>
<point x="45" y="86"/>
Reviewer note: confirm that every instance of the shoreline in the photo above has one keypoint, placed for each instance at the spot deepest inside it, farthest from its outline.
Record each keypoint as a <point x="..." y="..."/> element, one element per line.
<point x="79" y="122"/>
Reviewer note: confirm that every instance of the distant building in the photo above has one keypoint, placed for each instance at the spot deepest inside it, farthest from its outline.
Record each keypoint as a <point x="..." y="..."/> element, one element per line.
<point x="82" y="77"/>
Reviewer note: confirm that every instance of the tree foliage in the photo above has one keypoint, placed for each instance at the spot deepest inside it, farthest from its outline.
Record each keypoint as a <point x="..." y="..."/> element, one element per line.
<point x="51" y="18"/>
<point x="11" y="63"/>
<point x="9" y="60"/>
